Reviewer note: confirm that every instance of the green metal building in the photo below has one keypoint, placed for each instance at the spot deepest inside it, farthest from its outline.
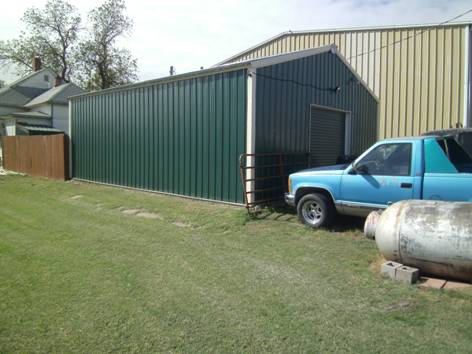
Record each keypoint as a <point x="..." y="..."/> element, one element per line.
<point x="184" y="134"/>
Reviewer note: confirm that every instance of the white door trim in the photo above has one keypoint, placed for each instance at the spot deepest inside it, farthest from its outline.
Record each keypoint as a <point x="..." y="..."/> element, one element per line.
<point x="467" y="84"/>
<point x="250" y="129"/>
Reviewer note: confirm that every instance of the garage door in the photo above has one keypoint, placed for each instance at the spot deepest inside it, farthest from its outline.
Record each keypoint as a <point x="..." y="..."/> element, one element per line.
<point x="327" y="135"/>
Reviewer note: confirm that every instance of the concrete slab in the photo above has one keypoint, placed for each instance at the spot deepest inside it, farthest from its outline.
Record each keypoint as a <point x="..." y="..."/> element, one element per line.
<point x="433" y="283"/>
<point x="456" y="285"/>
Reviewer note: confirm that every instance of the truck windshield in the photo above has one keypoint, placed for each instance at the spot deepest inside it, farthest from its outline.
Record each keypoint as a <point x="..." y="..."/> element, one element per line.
<point x="456" y="154"/>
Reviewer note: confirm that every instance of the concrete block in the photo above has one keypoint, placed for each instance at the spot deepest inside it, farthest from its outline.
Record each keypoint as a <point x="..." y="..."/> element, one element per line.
<point x="388" y="269"/>
<point x="408" y="275"/>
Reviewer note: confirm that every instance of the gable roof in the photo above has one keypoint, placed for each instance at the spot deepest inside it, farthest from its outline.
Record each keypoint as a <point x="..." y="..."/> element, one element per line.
<point x="285" y="57"/>
<point x="12" y="97"/>
<point x="334" y="30"/>
<point x="247" y="64"/>
<point x="57" y="94"/>
<point x="22" y="79"/>
<point x="282" y="58"/>
<point x="16" y="94"/>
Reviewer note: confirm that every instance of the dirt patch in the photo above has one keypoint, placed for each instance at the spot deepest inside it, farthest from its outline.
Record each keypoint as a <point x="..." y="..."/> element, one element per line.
<point x="140" y="213"/>
<point x="181" y="224"/>
<point x="75" y="197"/>
<point x="400" y="305"/>
<point x="130" y="211"/>
<point x="148" y="215"/>
<point x="375" y="265"/>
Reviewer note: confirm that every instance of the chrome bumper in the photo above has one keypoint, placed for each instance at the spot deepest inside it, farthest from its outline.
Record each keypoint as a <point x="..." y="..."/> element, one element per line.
<point x="289" y="199"/>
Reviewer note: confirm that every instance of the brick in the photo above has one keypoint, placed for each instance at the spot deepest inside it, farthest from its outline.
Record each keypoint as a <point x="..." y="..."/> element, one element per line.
<point x="427" y="282"/>
<point x="456" y="285"/>
<point x="388" y="269"/>
<point x="408" y="275"/>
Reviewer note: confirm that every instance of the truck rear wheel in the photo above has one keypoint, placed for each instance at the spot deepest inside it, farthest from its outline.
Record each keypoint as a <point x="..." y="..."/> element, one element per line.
<point x="315" y="210"/>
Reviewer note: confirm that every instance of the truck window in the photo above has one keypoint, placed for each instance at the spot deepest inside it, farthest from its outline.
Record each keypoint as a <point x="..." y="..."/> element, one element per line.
<point x="465" y="141"/>
<point x="456" y="154"/>
<point x="388" y="160"/>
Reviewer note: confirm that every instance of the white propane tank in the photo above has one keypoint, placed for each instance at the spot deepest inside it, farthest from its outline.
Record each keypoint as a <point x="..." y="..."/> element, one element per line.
<point x="434" y="236"/>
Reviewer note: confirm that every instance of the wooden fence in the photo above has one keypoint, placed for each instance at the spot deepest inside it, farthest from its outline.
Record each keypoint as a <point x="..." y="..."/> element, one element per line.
<point x="40" y="155"/>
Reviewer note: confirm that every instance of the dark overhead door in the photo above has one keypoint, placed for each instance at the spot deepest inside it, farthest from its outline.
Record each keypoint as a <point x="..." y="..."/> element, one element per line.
<point x="327" y="135"/>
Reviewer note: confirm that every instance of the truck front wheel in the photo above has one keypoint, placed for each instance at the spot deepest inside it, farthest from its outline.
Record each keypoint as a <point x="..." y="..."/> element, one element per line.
<point x="315" y="210"/>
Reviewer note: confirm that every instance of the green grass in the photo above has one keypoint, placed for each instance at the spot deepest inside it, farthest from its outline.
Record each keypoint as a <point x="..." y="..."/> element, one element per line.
<point x="78" y="275"/>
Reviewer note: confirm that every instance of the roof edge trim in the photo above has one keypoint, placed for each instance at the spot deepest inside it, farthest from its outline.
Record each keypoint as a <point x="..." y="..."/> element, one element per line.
<point x="344" y="29"/>
<point x="355" y="73"/>
<point x="167" y="79"/>
<point x="285" y="57"/>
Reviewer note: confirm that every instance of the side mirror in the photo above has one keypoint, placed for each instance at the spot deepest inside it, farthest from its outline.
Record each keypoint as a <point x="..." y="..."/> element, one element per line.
<point x="356" y="169"/>
<point x="362" y="169"/>
<point x="353" y="170"/>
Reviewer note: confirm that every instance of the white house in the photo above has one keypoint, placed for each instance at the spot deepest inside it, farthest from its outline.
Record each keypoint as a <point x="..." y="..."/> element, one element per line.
<point x="36" y="104"/>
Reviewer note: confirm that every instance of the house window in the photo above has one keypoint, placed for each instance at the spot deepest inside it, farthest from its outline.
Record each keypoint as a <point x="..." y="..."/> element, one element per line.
<point x="46" y="77"/>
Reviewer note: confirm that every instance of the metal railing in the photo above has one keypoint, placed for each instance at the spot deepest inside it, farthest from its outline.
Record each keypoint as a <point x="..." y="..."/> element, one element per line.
<point x="264" y="176"/>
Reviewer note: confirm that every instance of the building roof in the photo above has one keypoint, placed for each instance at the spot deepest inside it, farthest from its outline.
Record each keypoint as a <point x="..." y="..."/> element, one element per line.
<point x="30" y="114"/>
<point x="26" y="77"/>
<point x="54" y="95"/>
<point x="16" y="94"/>
<point x="247" y="64"/>
<point x="334" y="30"/>
<point x="38" y="128"/>
<point x="30" y="91"/>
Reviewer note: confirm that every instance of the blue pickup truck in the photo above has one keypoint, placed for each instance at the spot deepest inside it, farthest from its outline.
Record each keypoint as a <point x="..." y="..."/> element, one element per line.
<point x="427" y="167"/>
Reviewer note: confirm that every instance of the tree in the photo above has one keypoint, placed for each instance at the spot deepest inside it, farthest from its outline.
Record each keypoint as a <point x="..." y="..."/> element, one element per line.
<point x="19" y="52"/>
<point x="103" y="64"/>
<point x="93" y="58"/>
<point x="52" y="34"/>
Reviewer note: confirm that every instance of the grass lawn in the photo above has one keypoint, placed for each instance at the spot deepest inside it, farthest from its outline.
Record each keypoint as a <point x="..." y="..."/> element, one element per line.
<point x="82" y="271"/>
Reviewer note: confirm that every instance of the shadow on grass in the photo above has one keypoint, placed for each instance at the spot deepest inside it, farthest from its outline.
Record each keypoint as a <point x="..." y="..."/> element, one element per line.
<point x="342" y="223"/>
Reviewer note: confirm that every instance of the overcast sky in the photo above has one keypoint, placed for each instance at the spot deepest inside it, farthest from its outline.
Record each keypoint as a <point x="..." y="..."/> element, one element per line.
<point x="190" y="34"/>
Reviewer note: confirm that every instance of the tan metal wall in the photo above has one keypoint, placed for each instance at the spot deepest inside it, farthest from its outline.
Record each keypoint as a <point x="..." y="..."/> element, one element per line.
<point x="418" y="73"/>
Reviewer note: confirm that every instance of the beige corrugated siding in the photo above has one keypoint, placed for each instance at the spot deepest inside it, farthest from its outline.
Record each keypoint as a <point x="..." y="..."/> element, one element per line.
<point x="417" y="72"/>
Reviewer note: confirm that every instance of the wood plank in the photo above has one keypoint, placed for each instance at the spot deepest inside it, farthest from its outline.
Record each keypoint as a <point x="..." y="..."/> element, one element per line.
<point x="43" y="156"/>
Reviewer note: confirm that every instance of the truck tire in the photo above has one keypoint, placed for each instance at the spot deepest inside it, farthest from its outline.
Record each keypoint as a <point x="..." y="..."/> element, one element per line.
<point x="315" y="210"/>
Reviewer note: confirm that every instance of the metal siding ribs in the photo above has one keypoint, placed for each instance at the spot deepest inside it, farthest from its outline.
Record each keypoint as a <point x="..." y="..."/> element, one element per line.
<point x="181" y="137"/>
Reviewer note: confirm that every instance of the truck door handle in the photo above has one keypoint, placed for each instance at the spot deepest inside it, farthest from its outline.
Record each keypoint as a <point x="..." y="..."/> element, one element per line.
<point x="406" y="185"/>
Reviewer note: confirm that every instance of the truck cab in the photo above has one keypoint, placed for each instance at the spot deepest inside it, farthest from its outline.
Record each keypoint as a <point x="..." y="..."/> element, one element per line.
<point x="428" y="167"/>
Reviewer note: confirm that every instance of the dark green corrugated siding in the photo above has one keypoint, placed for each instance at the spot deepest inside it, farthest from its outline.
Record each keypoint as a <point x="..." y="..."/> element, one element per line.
<point x="283" y="110"/>
<point x="283" y="107"/>
<point x="181" y="137"/>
